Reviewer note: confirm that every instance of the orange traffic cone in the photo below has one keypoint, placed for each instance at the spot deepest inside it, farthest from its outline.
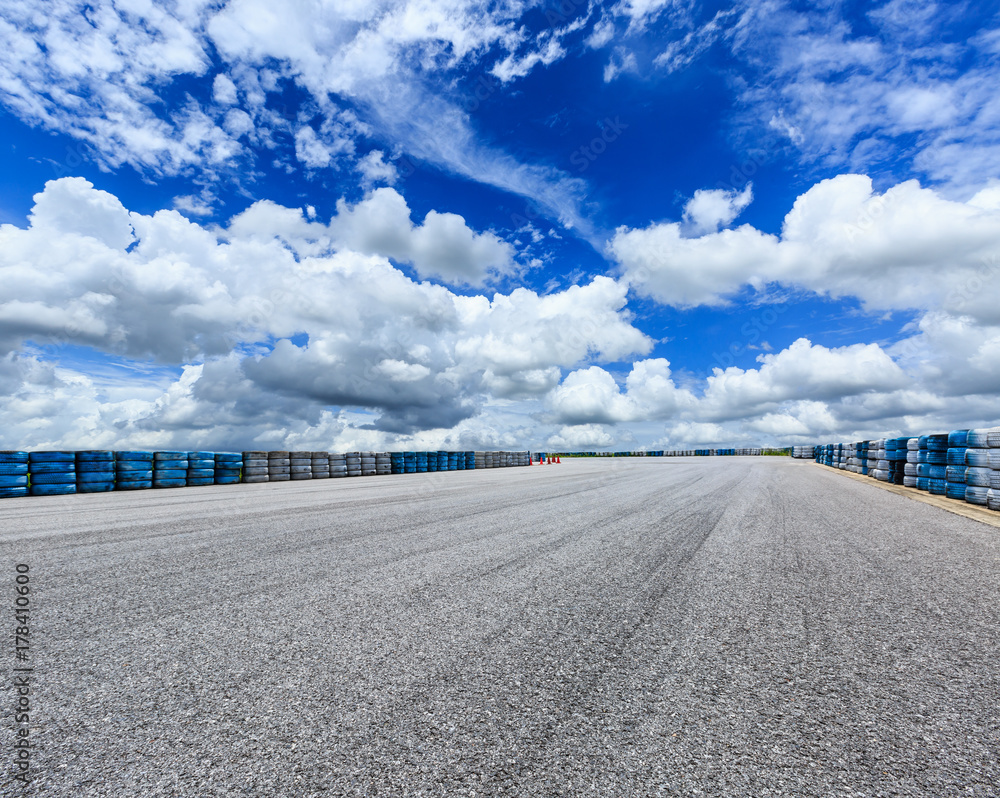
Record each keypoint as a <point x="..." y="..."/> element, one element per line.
<point x="559" y="460"/>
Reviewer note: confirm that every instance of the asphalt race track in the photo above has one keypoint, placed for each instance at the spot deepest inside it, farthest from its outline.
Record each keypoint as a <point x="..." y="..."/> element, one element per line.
<point x="749" y="626"/>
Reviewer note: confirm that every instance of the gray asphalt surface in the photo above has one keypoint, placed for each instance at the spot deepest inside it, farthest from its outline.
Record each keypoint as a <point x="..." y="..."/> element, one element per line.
<point x="676" y="627"/>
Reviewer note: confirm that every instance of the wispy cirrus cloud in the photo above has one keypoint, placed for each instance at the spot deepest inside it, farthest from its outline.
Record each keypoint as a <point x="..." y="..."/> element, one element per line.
<point x="112" y="77"/>
<point x="891" y="97"/>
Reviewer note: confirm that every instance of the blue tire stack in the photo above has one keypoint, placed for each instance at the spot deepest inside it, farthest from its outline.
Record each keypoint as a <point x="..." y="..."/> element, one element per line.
<point x="470" y="461"/>
<point x="398" y="461"/>
<point x="133" y="470"/>
<point x="937" y="458"/>
<point x="170" y="469"/>
<point x="410" y="462"/>
<point x="899" y="472"/>
<point x="95" y="471"/>
<point x="421" y="462"/>
<point x="13" y="474"/>
<point x="52" y="473"/>
<point x="228" y="468"/>
<point x="957" y="444"/>
<point x="201" y="468"/>
<point x="891" y="455"/>
<point x="871" y="461"/>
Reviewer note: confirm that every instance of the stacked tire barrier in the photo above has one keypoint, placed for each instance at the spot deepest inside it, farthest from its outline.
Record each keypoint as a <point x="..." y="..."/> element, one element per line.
<point x="963" y="465"/>
<point x="51" y="473"/>
<point x="278" y="466"/>
<point x="13" y="474"/>
<point x="201" y="468"/>
<point x="228" y="468"/>
<point x="881" y="460"/>
<point x="320" y="464"/>
<point x="133" y="470"/>
<point x="956" y="468"/>
<point x="255" y="467"/>
<point x="300" y="465"/>
<point x="57" y="473"/>
<point x="170" y="469"/>
<point x="891" y="459"/>
<point x="95" y="472"/>
<point x="937" y="460"/>
<point x="993" y="495"/>
<point x="911" y="462"/>
<point x="923" y="465"/>
<point x="978" y="472"/>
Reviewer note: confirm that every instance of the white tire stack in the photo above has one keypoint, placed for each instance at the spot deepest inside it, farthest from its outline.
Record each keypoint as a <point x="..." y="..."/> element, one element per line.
<point x="255" y="467"/>
<point x="300" y="465"/>
<point x="383" y="463"/>
<point x="320" y="465"/>
<point x="354" y="464"/>
<point x="993" y="495"/>
<point x="338" y="466"/>
<point x="882" y="462"/>
<point x="910" y="467"/>
<point x="978" y="475"/>
<point x="278" y="467"/>
<point x="368" y="464"/>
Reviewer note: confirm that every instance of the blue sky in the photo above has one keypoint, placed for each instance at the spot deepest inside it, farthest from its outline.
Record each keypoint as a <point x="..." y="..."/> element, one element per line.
<point x="572" y="225"/>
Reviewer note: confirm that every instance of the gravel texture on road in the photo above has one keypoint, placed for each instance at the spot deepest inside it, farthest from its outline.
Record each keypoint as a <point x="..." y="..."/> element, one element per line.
<point x="617" y="627"/>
